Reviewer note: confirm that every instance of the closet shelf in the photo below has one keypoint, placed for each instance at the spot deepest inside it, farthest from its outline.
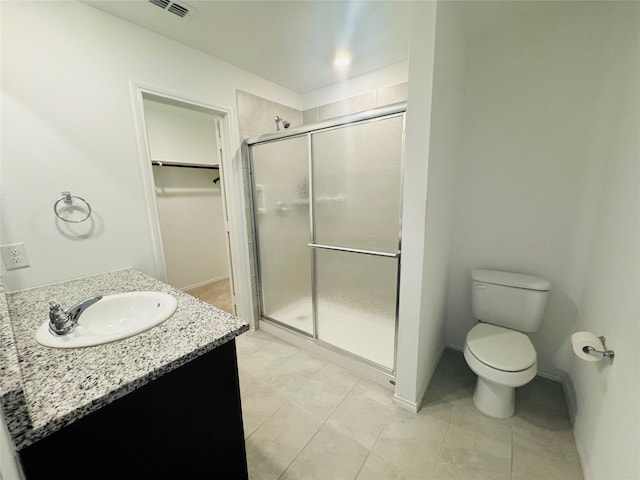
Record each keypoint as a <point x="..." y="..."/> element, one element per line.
<point x="161" y="163"/>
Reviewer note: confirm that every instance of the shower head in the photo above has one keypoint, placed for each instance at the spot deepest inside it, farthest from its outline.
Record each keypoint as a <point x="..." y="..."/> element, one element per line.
<point x="280" y="120"/>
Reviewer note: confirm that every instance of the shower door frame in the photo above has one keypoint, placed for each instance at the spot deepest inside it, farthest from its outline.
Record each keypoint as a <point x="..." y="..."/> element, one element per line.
<point x="374" y="115"/>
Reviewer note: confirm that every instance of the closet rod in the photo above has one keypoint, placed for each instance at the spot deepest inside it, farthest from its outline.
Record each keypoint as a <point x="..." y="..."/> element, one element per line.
<point x="180" y="165"/>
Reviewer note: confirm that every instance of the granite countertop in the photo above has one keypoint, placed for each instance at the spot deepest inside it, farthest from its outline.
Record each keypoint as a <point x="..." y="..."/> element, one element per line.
<point x="44" y="389"/>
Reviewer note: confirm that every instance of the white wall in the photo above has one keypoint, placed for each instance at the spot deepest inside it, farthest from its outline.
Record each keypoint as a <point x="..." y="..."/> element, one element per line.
<point x="529" y="104"/>
<point x="549" y="185"/>
<point x="189" y="203"/>
<point x="607" y="396"/>
<point x="68" y="124"/>
<point x="180" y="133"/>
<point x="191" y="218"/>
<point x="435" y="105"/>
<point x="444" y="159"/>
<point x="413" y="369"/>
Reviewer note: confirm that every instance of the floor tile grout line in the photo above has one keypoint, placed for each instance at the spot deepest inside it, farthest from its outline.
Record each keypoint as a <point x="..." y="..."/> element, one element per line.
<point x="279" y="392"/>
<point x="369" y="452"/>
<point x="334" y="408"/>
<point x="265" y="421"/>
<point x="302" y="449"/>
<point x="375" y="442"/>
<point x="288" y="400"/>
<point x="326" y="423"/>
<point x="279" y="362"/>
<point x="286" y="394"/>
<point x="444" y="436"/>
<point x="364" y="462"/>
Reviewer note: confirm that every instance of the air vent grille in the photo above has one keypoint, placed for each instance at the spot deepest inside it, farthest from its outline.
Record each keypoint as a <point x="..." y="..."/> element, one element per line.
<point x="179" y="9"/>
<point x="161" y="3"/>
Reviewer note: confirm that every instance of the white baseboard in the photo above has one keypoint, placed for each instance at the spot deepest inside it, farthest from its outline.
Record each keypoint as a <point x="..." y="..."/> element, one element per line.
<point x="415" y="406"/>
<point x="549" y="376"/>
<point x="206" y="282"/>
<point x="570" y="397"/>
<point x="453" y="346"/>
<point x="572" y="407"/>
<point x="406" y="404"/>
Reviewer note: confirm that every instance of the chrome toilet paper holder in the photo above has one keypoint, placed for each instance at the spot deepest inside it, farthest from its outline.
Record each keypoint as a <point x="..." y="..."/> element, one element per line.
<point x="605" y="353"/>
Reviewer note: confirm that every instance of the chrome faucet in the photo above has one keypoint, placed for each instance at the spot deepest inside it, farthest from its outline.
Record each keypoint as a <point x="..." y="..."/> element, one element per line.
<point x="63" y="321"/>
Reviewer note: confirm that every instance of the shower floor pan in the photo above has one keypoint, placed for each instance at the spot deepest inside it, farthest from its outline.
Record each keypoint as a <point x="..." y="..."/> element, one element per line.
<point x="361" y="333"/>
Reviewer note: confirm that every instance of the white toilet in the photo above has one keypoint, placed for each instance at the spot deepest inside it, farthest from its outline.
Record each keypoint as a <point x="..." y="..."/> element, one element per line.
<point x="506" y="304"/>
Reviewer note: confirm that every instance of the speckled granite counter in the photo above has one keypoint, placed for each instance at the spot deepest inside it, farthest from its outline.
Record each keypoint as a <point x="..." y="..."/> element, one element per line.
<point x="44" y="389"/>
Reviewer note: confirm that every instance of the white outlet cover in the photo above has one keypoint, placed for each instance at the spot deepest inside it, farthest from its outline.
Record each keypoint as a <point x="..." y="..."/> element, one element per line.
<point x="14" y="256"/>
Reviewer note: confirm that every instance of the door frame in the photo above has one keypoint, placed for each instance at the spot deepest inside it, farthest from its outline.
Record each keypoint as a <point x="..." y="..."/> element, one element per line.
<point x="231" y="193"/>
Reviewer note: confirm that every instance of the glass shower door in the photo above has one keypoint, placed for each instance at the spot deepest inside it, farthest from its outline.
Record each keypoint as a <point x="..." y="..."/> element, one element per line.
<point x="356" y="172"/>
<point x="281" y="206"/>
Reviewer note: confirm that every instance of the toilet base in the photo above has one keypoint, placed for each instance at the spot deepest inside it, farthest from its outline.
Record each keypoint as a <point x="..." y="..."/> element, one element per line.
<point x="493" y="399"/>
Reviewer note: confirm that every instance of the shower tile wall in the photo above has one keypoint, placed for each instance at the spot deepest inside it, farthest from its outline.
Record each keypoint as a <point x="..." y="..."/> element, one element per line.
<point x="255" y="117"/>
<point x="359" y="103"/>
<point x="255" y="114"/>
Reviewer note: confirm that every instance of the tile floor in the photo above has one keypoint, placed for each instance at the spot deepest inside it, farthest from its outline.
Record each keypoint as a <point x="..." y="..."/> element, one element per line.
<point x="306" y="418"/>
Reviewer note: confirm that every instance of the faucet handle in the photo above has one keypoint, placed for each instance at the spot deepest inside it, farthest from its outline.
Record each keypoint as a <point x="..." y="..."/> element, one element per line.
<point x="56" y="312"/>
<point x="54" y="307"/>
<point x="58" y="319"/>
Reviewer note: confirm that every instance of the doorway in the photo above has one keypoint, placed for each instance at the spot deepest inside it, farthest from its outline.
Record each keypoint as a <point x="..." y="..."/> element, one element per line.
<point x="185" y="150"/>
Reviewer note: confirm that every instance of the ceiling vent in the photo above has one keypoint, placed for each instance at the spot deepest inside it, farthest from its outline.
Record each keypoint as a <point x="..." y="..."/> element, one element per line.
<point x="180" y="9"/>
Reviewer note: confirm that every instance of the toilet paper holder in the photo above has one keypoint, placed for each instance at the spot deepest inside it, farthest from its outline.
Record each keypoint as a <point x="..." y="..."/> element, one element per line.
<point x="605" y="353"/>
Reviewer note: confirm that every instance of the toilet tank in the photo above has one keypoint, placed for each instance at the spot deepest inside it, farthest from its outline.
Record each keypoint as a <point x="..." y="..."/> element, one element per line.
<point x="510" y="300"/>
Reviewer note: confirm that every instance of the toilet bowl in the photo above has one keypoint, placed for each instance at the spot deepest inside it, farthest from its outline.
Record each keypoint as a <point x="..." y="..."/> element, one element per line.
<point x="506" y="304"/>
<point x="503" y="359"/>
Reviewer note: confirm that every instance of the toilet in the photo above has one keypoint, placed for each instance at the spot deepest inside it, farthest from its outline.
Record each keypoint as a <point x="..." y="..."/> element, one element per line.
<point x="506" y="305"/>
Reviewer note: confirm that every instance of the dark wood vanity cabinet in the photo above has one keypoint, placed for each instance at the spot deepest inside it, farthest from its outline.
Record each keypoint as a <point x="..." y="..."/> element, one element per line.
<point x="187" y="424"/>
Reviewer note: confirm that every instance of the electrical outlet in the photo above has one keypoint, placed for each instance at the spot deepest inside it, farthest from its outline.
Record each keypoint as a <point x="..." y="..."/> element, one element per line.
<point x="14" y="256"/>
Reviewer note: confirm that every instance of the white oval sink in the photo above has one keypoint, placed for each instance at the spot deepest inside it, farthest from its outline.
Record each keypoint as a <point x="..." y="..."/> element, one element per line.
<point x="112" y="318"/>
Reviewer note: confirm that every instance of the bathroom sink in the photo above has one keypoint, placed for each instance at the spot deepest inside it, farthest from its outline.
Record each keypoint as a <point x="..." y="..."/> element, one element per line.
<point x="112" y="318"/>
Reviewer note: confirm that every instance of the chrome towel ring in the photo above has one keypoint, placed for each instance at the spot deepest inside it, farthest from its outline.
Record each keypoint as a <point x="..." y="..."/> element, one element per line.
<point x="68" y="204"/>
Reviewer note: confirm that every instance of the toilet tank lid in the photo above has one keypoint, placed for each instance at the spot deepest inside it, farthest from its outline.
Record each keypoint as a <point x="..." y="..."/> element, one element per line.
<point x="517" y="280"/>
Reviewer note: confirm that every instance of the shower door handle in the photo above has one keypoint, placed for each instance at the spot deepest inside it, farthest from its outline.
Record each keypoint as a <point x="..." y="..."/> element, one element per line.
<point x="355" y="250"/>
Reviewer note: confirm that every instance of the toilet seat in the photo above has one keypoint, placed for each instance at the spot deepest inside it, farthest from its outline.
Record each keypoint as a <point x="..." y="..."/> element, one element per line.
<point x="500" y="348"/>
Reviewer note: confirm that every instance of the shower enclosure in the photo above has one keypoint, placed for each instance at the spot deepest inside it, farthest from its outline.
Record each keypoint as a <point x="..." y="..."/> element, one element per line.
<point x="326" y="206"/>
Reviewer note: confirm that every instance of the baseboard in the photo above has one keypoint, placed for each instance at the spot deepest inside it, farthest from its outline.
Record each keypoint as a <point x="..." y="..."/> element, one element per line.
<point x="422" y="393"/>
<point x="415" y="406"/>
<point x="206" y="282"/>
<point x="572" y="408"/>
<point x="549" y="376"/>
<point x="570" y="397"/>
<point x="582" y="455"/>
<point x="406" y="404"/>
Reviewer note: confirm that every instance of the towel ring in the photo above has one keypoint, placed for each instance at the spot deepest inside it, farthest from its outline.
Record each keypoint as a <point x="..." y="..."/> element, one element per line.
<point x="68" y="200"/>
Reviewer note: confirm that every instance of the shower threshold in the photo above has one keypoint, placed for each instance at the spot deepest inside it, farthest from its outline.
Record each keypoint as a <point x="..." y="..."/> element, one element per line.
<point x="333" y="354"/>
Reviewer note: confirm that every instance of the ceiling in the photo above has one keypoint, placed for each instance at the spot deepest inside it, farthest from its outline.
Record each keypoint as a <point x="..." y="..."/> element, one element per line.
<point x="291" y="43"/>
